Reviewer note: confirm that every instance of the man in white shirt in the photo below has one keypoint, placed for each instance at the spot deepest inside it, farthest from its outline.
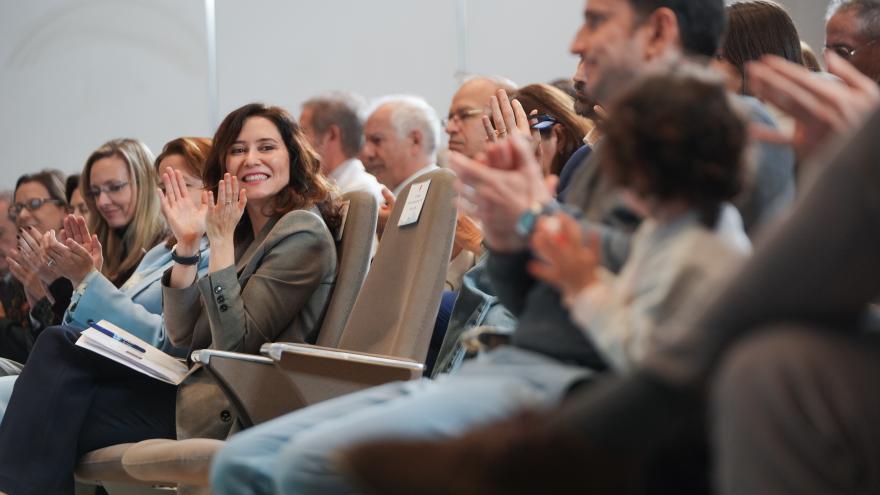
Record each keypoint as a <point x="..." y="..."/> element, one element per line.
<point x="401" y="134"/>
<point x="334" y="126"/>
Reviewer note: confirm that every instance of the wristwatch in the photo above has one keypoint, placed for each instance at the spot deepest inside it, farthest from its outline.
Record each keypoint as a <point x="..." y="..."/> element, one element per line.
<point x="185" y="260"/>
<point x="525" y="224"/>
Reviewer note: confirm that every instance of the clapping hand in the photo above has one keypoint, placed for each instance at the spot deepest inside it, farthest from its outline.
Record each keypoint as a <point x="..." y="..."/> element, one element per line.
<point x="821" y="108"/>
<point x="76" y="231"/>
<point x="34" y="289"/>
<point x="33" y="256"/>
<point x="187" y="221"/>
<point x="223" y="217"/>
<point x="77" y="253"/>
<point x="499" y="188"/>
<point x="563" y="260"/>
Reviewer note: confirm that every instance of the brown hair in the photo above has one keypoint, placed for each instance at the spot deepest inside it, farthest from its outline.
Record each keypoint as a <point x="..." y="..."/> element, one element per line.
<point x="124" y="251"/>
<point x="193" y="150"/>
<point x="677" y="135"/>
<point x="758" y="28"/>
<point x="307" y="186"/>
<point x="51" y="179"/>
<point x="549" y="100"/>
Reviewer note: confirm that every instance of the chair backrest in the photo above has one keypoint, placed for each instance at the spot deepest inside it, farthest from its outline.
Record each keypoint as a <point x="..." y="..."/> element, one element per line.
<point x="353" y="254"/>
<point x="395" y="311"/>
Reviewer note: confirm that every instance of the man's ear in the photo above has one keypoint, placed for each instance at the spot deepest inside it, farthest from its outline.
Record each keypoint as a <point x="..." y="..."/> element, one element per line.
<point x="417" y="139"/>
<point x="664" y="32"/>
<point x="333" y="133"/>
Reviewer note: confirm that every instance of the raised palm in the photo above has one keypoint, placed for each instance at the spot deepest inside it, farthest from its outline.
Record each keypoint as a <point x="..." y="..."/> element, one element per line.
<point x="186" y="219"/>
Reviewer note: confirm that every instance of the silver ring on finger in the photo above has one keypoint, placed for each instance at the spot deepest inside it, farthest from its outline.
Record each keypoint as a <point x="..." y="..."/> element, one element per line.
<point x="50" y="262"/>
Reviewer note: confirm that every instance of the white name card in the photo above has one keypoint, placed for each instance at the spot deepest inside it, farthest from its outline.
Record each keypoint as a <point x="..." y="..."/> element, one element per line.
<point x="414" y="203"/>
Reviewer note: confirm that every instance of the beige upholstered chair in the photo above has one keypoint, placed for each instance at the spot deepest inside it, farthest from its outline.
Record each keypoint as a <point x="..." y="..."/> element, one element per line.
<point x="385" y="338"/>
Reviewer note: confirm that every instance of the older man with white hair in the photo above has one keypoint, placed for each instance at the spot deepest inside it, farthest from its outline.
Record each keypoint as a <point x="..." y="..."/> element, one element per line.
<point x="401" y="136"/>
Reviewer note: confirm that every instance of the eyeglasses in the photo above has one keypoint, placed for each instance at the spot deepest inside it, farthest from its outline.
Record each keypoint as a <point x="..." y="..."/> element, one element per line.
<point x="543" y="123"/>
<point x="31" y="205"/>
<point x="461" y="115"/>
<point x="111" y="189"/>
<point x="845" y="51"/>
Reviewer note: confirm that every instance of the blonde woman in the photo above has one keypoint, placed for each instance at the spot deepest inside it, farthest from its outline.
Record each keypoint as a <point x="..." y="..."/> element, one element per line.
<point x="118" y="183"/>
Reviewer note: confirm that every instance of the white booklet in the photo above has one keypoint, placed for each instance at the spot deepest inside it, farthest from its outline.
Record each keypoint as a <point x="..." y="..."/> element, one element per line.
<point x="114" y="343"/>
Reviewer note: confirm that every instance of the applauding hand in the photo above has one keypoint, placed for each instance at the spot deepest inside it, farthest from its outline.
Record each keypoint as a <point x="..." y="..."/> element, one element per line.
<point x="821" y="108"/>
<point x="188" y="222"/>
<point x="563" y="260"/>
<point x="33" y="256"/>
<point x="223" y="216"/>
<point x="77" y="232"/>
<point x="499" y="188"/>
<point x="74" y="260"/>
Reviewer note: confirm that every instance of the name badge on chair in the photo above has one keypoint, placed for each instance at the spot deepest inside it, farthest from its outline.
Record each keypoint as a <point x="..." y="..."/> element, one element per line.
<point x="414" y="203"/>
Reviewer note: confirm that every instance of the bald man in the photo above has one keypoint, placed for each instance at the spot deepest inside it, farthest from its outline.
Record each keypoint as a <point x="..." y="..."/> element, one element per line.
<point x="463" y="124"/>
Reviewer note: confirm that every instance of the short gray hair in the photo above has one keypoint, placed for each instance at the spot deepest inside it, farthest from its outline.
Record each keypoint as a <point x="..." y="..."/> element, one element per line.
<point x="867" y="11"/>
<point x="345" y="111"/>
<point x="412" y="113"/>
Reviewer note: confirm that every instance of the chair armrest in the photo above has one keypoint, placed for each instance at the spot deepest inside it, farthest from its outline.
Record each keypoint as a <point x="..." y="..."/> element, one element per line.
<point x="256" y="388"/>
<point x="321" y="373"/>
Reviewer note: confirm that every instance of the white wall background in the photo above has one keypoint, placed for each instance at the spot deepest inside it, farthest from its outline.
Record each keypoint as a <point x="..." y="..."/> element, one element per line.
<point x="74" y="73"/>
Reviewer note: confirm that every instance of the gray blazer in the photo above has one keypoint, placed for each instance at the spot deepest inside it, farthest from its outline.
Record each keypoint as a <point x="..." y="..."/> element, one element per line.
<point x="277" y="290"/>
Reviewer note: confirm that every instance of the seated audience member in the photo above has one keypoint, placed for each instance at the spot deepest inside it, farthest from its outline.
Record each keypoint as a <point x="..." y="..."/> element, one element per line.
<point x="470" y="103"/>
<point x="14" y="322"/>
<point x="335" y="128"/>
<point x="39" y="208"/>
<point x="117" y="182"/>
<point x="75" y="199"/>
<point x="468" y="300"/>
<point x="561" y="130"/>
<point x="137" y="305"/>
<point x="270" y="272"/>
<point x="756" y="28"/>
<point x="852" y="31"/>
<point x="295" y="453"/>
<point x="781" y="348"/>
<point x="561" y="133"/>
<point x="691" y="236"/>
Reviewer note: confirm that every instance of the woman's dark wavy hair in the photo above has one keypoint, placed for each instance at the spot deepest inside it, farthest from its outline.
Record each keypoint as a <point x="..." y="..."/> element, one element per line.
<point x="307" y="187"/>
<point x="677" y="135"/>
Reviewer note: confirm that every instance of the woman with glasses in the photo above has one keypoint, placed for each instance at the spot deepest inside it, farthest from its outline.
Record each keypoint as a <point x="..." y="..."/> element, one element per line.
<point x="270" y="218"/>
<point x="562" y="130"/>
<point x="28" y="302"/>
<point x="118" y="183"/>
